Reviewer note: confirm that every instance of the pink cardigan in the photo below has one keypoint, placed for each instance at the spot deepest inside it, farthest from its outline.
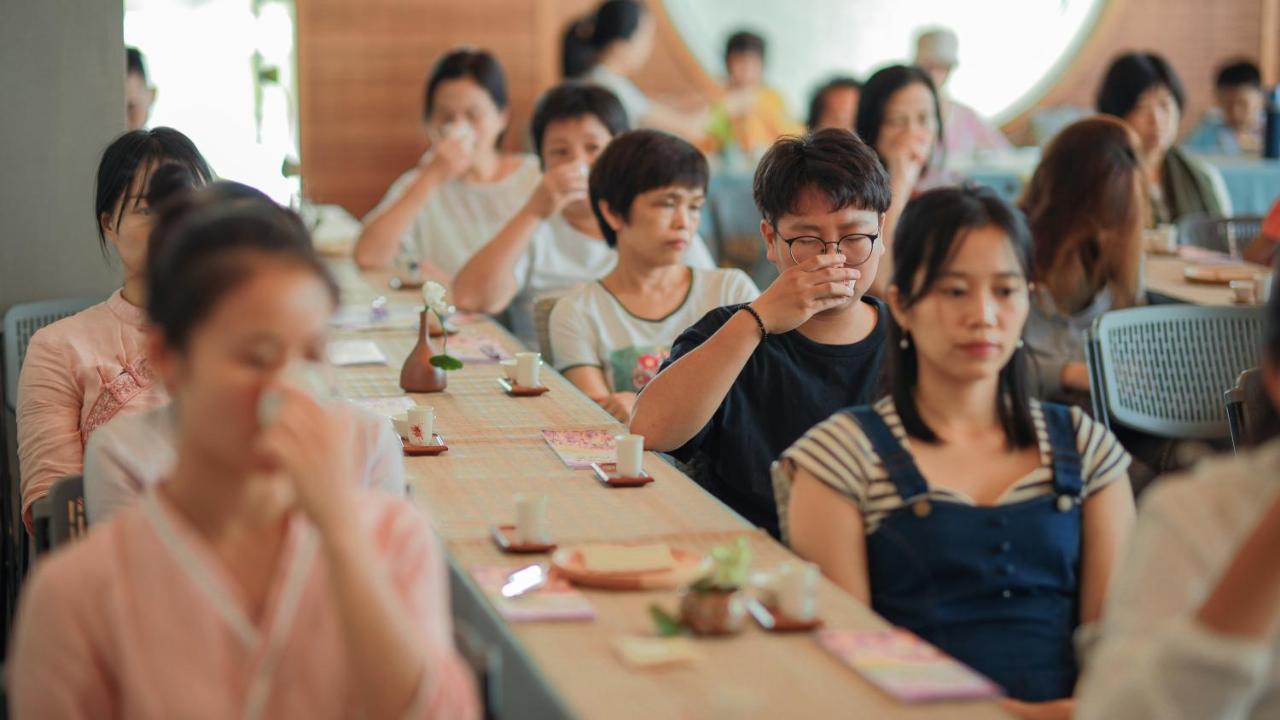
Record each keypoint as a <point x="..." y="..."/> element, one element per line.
<point x="79" y="373"/>
<point x="140" y="620"/>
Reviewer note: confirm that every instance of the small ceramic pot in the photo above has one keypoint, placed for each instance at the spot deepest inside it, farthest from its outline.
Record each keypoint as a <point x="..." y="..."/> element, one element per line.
<point x="713" y="612"/>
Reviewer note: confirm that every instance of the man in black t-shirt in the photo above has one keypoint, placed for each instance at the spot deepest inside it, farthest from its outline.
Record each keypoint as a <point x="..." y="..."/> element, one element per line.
<point x="747" y="381"/>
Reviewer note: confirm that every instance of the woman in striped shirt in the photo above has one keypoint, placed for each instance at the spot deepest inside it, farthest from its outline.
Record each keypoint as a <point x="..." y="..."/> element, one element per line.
<point x="961" y="509"/>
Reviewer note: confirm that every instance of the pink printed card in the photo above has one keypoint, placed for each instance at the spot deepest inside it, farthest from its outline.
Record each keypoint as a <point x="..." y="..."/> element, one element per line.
<point x="581" y="448"/>
<point x="906" y="667"/>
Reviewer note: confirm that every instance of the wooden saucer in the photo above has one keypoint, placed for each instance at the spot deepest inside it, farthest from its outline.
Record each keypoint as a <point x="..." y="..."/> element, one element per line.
<point x="772" y="620"/>
<point x="508" y="541"/>
<point x="1218" y="274"/>
<point x="607" y="474"/>
<point x="436" y="447"/>
<point x="515" y="390"/>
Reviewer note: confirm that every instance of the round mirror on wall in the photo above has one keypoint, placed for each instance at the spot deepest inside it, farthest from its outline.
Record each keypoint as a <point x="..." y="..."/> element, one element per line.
<point x="1009" y="50"/>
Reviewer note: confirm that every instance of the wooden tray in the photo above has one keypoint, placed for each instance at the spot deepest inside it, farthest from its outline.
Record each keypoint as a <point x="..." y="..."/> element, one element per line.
<point x="505" y="537"/>
<point x="607" y="474"/>
<point x="773" y="621"/>
<point x="515" y="390"/>
<point x="1218" y="274"/>
<point x="435" y="448"/>
<point x="689" y="566"/>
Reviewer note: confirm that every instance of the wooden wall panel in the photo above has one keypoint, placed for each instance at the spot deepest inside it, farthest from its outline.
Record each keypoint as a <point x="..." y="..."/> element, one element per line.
<point x="362" y="65"/>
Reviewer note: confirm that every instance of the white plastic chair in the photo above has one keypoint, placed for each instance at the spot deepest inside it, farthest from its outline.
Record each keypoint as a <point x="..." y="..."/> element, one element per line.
<point x="1162" y="370"/>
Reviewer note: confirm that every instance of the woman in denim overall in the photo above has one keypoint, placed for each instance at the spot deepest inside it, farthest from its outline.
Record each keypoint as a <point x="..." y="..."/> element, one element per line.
<point x="1010" y="548"/>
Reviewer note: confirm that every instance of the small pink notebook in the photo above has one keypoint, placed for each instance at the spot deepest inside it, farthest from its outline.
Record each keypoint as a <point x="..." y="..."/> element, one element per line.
<point x="557" y="600"/>
<point x="906" y="667"/>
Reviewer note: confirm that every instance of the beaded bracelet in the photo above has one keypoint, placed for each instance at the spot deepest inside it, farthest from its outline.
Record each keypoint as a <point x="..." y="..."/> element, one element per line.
<point x="764" y="334"/>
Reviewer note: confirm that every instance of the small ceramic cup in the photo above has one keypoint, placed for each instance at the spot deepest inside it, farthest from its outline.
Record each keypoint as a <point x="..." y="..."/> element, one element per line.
<point x="1244" y="292"/>
<point x="422" y="420"/>
<point x="527" y="366"/>
<point x="531" y="519"/>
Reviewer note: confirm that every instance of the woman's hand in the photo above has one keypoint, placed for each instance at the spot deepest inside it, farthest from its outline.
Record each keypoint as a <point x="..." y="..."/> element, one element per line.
<point x="560" y="186"/>
<point x="451" y="154"/>
<point x="905" y="155"/>
<point x="619" y="405"/>
<point x="312" y="446"/>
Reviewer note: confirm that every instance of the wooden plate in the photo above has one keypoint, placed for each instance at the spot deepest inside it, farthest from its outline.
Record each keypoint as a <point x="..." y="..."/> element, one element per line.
<point x="515" y="390"/>
<point x="607" y="474"/>
<point x="505" y="537"/>
<point x="770" y="619"/>
<point x="436" y="447"/>
<point x="1218" y="274"/>
<point x="689" y="566"/>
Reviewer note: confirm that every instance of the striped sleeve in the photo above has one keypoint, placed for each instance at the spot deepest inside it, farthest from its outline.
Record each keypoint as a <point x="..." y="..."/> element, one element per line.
<point x="836" y="452"/>
<point x="1102" y="459"/>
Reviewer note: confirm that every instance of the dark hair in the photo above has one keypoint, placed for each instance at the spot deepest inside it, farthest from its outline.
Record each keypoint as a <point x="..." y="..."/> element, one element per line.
<point x="639" y="161"/>
<point x="1241" y="73"/>
<point x="571" y="100"/>
<point x="1131" y="75"/>
<point x="141" y="151"/>
<point x="473" y="64"/>
<point x="876" y="94"/>
<point x="744" y="41"/>
<point x="134" y="64"/>
<point x="209" y="242"/>
<point x="834" y="162"/>
<point x="930" y="230"/>
<point x="584" y="39"/>
<point x="818" y="103"/>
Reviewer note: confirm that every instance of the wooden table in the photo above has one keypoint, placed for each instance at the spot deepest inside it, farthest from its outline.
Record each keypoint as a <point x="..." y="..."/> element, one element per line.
<point x="569" y="669"/>
<point x="1164" y="278"/>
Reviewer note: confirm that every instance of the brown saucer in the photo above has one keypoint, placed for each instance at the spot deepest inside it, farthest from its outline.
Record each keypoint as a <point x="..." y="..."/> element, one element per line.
<point x="607" y="474"/>
<point x="774" y="621"/>
<point x="515" y="390"/>
<point x="504" y="536"/>
<point x="435" y="448"/>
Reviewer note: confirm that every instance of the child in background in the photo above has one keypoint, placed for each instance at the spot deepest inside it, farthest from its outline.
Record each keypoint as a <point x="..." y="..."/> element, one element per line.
<point x="751" y="115"/>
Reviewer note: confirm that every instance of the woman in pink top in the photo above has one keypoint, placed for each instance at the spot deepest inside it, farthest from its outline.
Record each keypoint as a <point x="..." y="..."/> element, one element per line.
<point x="257" y="581"/>
<point x="81" y="371"/>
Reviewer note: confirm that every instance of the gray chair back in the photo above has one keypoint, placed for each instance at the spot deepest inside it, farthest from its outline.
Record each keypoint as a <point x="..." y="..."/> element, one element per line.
<point x="20" y="323"/>
<point x="1162" y="370"/>
<point x="1224" y="235"/>
<point x="59" y="516"/>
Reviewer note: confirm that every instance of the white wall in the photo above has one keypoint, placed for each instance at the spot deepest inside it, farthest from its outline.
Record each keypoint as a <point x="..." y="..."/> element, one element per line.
<point x="62" y="84"/>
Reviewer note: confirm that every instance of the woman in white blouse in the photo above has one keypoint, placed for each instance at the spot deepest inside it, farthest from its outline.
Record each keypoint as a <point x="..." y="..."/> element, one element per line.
<point x="1192" y="626"/>
<point x="465" y="188"/>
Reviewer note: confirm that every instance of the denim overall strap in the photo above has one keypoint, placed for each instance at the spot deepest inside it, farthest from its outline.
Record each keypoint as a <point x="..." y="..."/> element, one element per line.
<point x="898" y="463"/>
<point x="1067" y="480"/>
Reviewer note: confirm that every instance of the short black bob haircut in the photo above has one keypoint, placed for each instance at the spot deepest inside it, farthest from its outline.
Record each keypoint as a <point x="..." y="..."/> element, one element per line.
<point x="637" y="162"/>
<point x="571" y="100"/>
<point x="140" y="151"/>
<point x="818" y="103"/>
<point x="1132" y="74"/>
<point x="1241" y="73"/>
<point x="833" y="162"/>
<point x="743" y="42"/>
<point x="930" y="231"/>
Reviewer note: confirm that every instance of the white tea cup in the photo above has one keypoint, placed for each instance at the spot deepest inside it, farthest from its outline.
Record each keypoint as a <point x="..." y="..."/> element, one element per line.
<point x="531" y="519"/>
<point x="422" y="421"/>
<point x="527" y="366"/>
<point x="1244" y="291"/>
<point x="509" y="369"/>
<point x="797" y="590"/>
<point x="630" y="455"/>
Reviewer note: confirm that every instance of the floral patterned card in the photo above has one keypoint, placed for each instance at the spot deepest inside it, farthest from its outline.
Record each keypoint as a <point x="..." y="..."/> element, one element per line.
<point x="906" y="667"/>
<point x="580" y="448"/>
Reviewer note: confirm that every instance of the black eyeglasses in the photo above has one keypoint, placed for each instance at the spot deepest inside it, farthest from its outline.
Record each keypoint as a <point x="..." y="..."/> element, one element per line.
<point x="855" y="247"/>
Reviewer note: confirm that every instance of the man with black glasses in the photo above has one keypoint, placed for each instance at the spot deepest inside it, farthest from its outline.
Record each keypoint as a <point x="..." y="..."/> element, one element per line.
<point x="746" y="381"/>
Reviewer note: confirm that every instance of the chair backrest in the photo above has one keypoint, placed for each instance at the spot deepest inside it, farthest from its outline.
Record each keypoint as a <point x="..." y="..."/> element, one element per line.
<point x="542" y="308"/>
<point x="1162" y="370"/>
<point x="733" y="228"/>
<point x="60" y="516"/>
<point x="1218" y="233"/>
<point x="485" y="661"/>
<point x="1250" y="415"/>
<point x="20" y="323"/>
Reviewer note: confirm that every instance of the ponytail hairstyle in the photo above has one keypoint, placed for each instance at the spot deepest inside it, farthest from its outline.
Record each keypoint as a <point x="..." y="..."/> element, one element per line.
<point x="586" y="38"/>
<point x="208" y="242"/>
